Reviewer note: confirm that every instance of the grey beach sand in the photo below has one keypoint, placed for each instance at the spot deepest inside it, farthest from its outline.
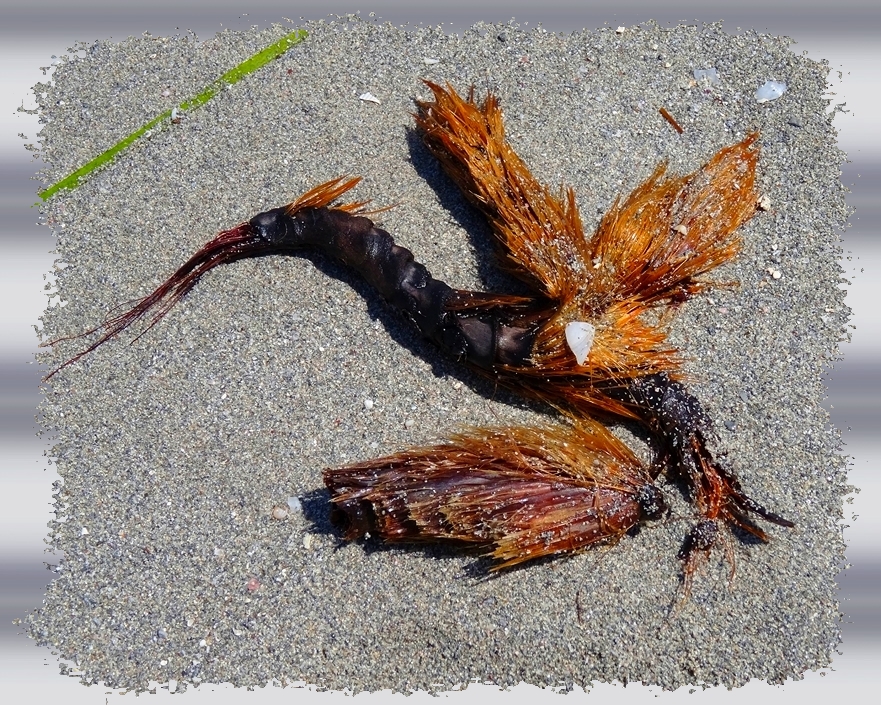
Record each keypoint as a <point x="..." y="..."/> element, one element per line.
<point x="192" y="518"/>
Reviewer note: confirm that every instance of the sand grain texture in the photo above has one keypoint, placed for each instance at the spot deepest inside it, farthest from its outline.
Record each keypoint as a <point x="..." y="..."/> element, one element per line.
<point x="175" y="449"/>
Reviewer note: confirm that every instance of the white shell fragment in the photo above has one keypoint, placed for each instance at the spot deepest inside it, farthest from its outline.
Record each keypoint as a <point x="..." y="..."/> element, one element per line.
<point x="369" y="97"/>
<point x="579" y="338"/>
<point x="430" y="62"/>
<point x="709" y="75"/>
<point x="765" y="203"/>
<point x="770" y="90"/>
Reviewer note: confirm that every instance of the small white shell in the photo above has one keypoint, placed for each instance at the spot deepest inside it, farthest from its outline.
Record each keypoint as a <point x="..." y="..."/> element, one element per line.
<point x="369" y="97"/>
<point x="770" y="90"/>
<point x="430" y="62"/>
<point x="579" y="337"/>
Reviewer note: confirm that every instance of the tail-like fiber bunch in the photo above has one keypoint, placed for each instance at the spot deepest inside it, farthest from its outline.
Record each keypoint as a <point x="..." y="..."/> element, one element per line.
<point x="229" y="246"/>
<point x="520" y="493"/>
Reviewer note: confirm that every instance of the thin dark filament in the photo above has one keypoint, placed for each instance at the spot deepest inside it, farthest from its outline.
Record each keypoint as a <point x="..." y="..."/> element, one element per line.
<point x="229" y="246"/>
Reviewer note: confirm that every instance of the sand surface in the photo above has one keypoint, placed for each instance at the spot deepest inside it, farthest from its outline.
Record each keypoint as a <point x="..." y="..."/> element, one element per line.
<point x="174" y="449"/>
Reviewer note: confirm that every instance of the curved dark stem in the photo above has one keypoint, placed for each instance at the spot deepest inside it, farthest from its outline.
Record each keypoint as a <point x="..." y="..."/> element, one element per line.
<point x="479" y="335"/>
<point x="480" y="339"/>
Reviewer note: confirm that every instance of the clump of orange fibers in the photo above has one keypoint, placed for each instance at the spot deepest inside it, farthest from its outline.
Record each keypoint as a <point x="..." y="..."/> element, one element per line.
<point x="652" y="247"/>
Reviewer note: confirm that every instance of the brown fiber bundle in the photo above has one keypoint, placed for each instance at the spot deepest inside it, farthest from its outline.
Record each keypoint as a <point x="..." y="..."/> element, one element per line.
<point x="519" y="493"/>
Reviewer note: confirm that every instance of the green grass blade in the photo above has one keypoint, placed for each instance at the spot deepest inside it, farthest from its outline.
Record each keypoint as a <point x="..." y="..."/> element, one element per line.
<point x="234" y="75"/>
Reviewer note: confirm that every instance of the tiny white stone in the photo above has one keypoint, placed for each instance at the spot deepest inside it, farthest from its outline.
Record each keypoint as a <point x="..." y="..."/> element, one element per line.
<point x="279" y="513"/>
<point x="430" y="62"/>
<point x="681" y="229"/>
<point x="579" y="337"/>
<point x="368" y="404"/>
<point x="765" y="203"/>
<point x="84" y="531"/>
<point x="770" y="90"/>
<point x="294" y="504"/>
<point x="307" y="541"/>
<point x="409" y="423"/>
<point x="620" y="30"/>
<point x="369" y="97"/>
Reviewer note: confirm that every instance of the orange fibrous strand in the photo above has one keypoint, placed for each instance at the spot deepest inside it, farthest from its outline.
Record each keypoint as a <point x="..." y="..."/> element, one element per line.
<point x="536" y="229"/>
<point x="668" y="232"/>
<point x="669" y="118"/>
<point x="521" y="493"/>
<point x="325" y="194"/>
